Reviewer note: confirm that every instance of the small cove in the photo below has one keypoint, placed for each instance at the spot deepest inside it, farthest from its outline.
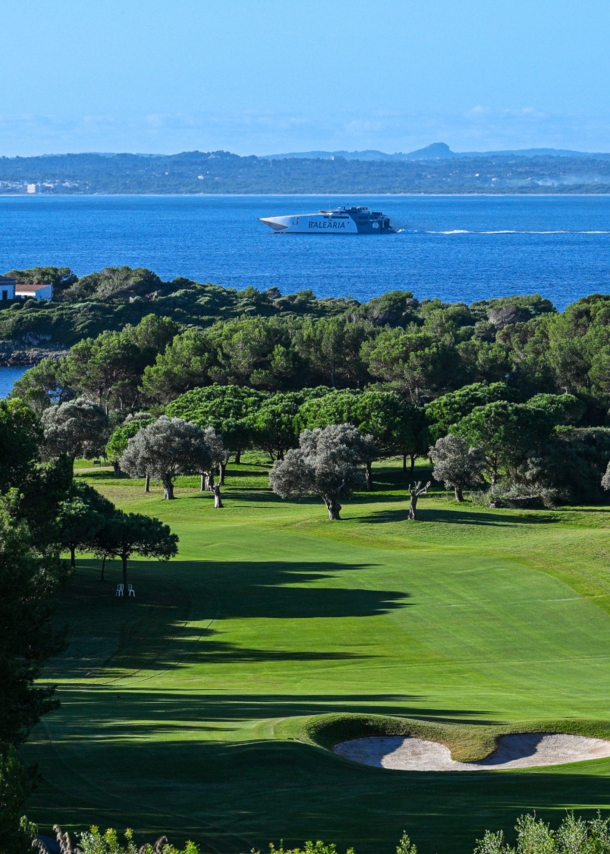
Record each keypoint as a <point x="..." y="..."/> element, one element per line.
<point x="8" y="378"/>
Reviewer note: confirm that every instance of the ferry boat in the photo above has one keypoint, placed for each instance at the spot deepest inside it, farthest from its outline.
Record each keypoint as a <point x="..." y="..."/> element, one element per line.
<point x="354" y="220"/>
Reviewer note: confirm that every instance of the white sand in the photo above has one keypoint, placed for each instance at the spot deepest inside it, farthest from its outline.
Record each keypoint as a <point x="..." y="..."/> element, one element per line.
<point x="528" y="750"/>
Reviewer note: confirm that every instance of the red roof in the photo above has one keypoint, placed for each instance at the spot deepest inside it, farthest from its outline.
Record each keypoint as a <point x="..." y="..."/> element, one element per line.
<point x="30" y="289"/>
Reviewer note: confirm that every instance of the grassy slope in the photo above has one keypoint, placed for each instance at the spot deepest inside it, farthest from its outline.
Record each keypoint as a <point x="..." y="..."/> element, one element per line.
<point x="188" y="710"/>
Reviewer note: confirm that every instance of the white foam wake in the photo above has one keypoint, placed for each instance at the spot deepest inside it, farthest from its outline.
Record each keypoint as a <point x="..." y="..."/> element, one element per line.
<point x="516" y="231"/>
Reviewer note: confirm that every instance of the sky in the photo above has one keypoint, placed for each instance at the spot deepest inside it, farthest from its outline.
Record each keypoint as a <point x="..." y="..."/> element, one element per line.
<point x="271" y="76"/>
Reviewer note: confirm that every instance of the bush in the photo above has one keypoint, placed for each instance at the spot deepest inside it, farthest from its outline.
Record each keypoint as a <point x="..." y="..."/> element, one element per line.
<point x="318" y="847"/>
<point x="94" y="841"/>
<point x="516" y="495"/>
<point x="536" y="837"/>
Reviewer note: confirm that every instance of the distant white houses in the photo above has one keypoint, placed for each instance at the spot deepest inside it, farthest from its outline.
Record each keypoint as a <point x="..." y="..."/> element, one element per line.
<point x="30" y="188"/>
<point x="7" y="288"/>
<point x="34" y="291"/>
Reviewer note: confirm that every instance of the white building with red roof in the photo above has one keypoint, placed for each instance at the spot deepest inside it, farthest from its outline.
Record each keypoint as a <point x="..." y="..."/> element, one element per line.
<point x="34" y="291"/>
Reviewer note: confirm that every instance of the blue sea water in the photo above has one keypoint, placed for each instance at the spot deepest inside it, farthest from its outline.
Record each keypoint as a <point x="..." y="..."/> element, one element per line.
<point x="8" y="377"/>
<point x="453" y="247"/>
<point x="457" y="248"/>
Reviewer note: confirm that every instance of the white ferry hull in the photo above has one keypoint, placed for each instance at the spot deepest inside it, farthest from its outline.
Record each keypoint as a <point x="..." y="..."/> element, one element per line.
<point x="311" y="224"/>
<point x="352" y="220"/>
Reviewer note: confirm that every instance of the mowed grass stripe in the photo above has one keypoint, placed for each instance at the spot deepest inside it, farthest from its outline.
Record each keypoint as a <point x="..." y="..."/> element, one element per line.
<point x="271" y="615"/>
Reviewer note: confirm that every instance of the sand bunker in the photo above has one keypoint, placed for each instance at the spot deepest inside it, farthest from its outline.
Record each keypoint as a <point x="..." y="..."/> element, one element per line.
<point x="528" y="750"/>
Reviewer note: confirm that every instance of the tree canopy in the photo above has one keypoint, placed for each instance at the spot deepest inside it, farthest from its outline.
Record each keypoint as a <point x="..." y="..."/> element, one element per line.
<point x="456" y="464"/>
<point x="225" y="408"/>
<point x="328" y="463"/>
<point x="117" y="443"/>
<point x="77" y="428"/>
<point x="506" y="433"/>
<point x="126" y="534"/>
<point x="166" y="448"/>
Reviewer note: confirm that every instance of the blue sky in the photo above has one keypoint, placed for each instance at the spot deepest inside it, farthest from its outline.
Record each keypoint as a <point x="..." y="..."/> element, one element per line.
<point x="265" y="76"/>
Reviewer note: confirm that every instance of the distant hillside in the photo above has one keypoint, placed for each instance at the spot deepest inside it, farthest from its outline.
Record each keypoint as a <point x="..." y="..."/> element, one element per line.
<point x="435" y="169"/>
<point x="430" y="152"/>
<point x="438" y="150"/>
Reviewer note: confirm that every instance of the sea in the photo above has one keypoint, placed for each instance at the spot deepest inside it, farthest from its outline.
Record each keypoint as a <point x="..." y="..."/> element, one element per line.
<point x="455" y="248"/>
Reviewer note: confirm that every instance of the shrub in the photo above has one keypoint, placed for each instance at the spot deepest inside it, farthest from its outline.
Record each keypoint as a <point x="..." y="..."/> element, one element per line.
<point x="94" y="841"/>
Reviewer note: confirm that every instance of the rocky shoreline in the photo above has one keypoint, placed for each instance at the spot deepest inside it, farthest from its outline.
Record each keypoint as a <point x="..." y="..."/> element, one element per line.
<point x="28" y="358"/>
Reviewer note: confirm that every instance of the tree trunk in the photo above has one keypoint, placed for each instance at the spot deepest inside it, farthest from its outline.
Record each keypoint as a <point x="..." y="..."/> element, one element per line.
<point x="103" y="568"/>
<point x="238" y="458"/>
<point x="404" y="462"/>
<point x="124" y="559"/>
<point x="222" y="467"/>
<point x="168" y="490"/>
<point x="147" y="483"/>
<point x="334" y="509"/>
<point x="413" y="458"/>
<point x="459" y="495"/>
<point x="217" y="496"/>
<point x="369" y="476"/>
<point x="204" y="483"/>
<point x="494" y="477"/>
<point x="117" y="470"/>
<point x="72" y="557"/>
<point x="415" y="491"/>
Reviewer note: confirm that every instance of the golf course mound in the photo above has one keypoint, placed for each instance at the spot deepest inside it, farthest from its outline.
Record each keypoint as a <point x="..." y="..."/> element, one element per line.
<point x="518" y="750"/>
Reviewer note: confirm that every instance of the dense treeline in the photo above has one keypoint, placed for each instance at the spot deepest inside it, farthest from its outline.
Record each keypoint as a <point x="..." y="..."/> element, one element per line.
<point x="527" y="385"/>
<point x="44" y="512"/>
<point x="274" y="343"/>
<point x="216" y="172"/>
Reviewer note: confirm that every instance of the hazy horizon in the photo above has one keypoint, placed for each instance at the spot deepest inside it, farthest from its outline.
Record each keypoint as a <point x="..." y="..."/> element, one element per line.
<point x="268" y="154"/>
<point x="159" y="77"/>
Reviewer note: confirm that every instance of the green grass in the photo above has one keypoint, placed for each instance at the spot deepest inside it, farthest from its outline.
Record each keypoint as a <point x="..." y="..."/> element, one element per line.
<point x="206" y="707"/>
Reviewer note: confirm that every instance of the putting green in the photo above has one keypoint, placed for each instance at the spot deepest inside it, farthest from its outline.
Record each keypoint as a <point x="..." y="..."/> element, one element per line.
<point x="186" y="711"/>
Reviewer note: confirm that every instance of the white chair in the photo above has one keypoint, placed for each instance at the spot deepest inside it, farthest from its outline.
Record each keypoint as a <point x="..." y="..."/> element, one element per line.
<point x="131" y="591"/>
<point x="120" y="590"/>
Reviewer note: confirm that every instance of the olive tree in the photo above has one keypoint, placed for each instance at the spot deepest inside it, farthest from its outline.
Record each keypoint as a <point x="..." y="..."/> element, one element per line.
<point x="218" y="456"/>
<point x="397" y="427"/>
<point x="416" y="490"/>
<point x="117" y="443"/>
<point x="327" y="463"/>
<point x="456" y="464"/>
<point x="165" y="449"/>
<point x="78" y="428"/>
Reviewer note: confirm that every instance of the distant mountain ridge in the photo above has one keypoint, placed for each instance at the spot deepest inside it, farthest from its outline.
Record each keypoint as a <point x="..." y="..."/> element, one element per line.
<point x="436" y="151"/>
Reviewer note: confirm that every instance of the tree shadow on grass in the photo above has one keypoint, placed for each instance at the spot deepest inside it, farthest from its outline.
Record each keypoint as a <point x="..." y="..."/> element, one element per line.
<point x="222" y="793"/>
<point x="461" y="517"/>
<point x="184" y="646"/>
<point x="169" y="626"/>
<point x="113" y="710"/>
